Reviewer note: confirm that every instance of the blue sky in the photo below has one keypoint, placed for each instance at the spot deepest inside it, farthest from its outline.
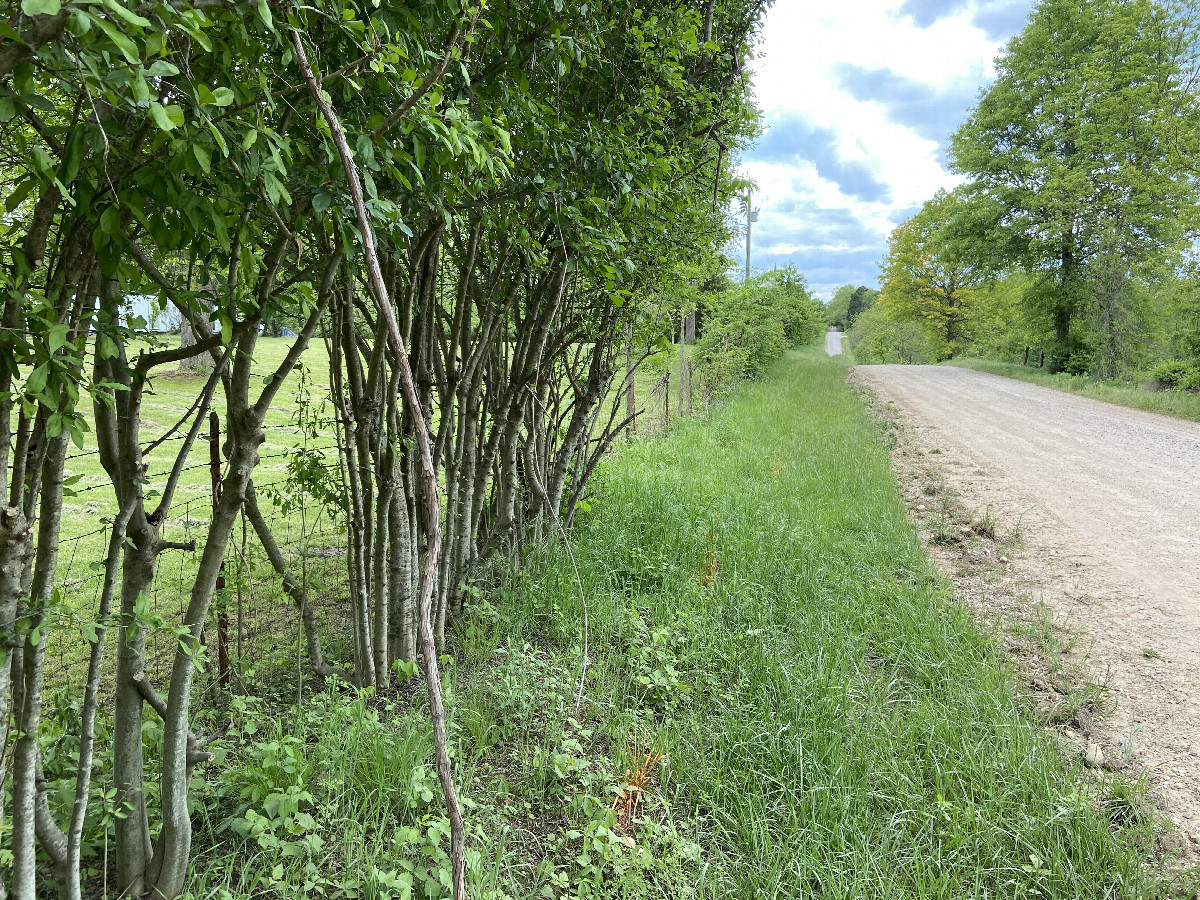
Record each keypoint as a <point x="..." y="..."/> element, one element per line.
<point x="860" y="98"/>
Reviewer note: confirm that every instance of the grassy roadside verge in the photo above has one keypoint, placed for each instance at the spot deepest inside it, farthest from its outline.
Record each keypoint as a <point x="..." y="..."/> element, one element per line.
<point x="1179" y="404"/>
<point x="779" y="701"/>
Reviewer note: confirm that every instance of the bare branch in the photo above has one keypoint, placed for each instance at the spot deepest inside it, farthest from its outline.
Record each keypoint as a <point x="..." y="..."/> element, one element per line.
<point x="429" y="571"/>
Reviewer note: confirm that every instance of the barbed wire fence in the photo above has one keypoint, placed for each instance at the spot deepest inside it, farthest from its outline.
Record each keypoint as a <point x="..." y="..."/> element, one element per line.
<point x="264" y="624"/>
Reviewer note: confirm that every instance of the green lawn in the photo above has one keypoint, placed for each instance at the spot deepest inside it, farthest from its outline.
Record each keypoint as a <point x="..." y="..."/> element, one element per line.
<point x="254" y="593"/>
<point x="89" y="504"/>
<point x="1180" y="404"/>
<point x="766" y="643"/>
<point x="169" y="396"/>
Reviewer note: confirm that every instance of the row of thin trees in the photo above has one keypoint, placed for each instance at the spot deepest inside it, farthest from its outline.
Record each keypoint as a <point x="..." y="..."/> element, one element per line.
<point x="477" y="211"/>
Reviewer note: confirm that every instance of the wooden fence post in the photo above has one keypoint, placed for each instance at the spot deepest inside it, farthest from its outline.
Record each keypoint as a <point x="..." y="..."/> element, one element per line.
<point x="214" y="468"/>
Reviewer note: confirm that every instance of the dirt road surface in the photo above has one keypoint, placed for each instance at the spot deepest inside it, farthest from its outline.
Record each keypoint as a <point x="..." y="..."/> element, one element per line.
<point x="1107" y="502"/>
<point x="833" y="343"/>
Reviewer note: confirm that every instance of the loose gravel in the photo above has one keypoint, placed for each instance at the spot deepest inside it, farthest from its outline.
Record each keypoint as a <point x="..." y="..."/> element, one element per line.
<point x="1106" y="501"/>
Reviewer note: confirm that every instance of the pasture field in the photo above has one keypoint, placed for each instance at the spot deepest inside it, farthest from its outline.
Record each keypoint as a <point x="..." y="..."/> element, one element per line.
<point x="312" y="538"/>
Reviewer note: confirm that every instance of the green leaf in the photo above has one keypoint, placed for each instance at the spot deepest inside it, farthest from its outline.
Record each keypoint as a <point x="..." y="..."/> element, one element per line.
<point x="162" y="69"/>
<point x="264" y="13"/>
<point x="249" y="138"/>
<point x="110" y="221"/>
<point x="141" y="90"/>
<point x="41" y="159"/>
<point x="77" y="426"/>
<point x="56" y="336"/>
<point x="131" y="17"/>
<point x="41" y="7"/>
<point x="276" y="192"/>
<point x="8" y="109"/>
<point x="219" y="138"/>
<point x="127" y="47"/>
<point x="222" y="96"/>
<point x="202" y="157"/>
<point x="36" y="382"/>
<point x="163" y="118"/>
<point x="73" y="156"/>
<point x="19" y="193"/>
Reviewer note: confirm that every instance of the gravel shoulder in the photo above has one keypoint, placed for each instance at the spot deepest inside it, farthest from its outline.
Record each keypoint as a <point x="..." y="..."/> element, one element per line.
<point x="1106" y="503"/>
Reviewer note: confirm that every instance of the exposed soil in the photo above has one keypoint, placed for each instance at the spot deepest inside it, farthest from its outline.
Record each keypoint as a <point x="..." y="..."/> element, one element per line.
<point x="1077" y="523"/>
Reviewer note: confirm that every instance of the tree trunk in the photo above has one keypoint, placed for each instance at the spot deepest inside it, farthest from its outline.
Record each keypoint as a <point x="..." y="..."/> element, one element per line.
<point x="630" y="400"/>
<point x="187" y="338"/>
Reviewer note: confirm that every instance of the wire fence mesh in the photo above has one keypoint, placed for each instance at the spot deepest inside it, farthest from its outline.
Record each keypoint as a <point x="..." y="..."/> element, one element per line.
<point x="263" y="623"/>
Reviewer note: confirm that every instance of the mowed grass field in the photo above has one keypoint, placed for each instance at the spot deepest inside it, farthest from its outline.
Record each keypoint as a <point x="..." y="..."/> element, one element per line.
<point x="746" y="679"/>
<point x="253" y="592"/>
<point x="169" y="396"/>
<point x="1180" y="404"/>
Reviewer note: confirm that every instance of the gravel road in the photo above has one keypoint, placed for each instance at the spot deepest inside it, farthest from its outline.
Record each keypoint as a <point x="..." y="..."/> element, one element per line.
<point x="833" y="343"/>
<point x="1108" y="503"/>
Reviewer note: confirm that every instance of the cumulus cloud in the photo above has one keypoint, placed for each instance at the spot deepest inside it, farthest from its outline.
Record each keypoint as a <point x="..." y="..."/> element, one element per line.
<point x="1002" y="19"/>
<point x="930" y="112"/>
<point x="796" y="141"/>
<point x="859" y="99"/>
<point x="926" y="12"/>
<point x="996" y="18"/>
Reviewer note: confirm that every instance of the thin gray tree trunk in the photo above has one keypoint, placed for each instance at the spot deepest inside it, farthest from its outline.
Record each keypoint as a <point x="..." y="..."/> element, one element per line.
<point x="429" y="475"/>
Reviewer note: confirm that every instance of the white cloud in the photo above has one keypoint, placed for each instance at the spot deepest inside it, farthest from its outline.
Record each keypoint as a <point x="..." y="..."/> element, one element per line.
<point x="884" y="166"/>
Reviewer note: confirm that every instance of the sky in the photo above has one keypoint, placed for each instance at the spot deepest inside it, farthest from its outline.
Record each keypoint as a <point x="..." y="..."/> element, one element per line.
<point x="859" y="99"/>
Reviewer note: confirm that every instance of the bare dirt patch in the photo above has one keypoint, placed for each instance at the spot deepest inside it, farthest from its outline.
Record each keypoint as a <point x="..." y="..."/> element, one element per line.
<point x="1073" y="527"/>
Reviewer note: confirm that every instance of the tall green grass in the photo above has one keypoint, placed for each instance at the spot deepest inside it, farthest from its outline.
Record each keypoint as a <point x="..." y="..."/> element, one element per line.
<point x="759" y="612"/>
<point x="1180" y="404"/>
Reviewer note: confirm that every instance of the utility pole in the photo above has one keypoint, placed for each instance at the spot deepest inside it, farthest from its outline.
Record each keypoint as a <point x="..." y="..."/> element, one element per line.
<point x="751" y="217"/>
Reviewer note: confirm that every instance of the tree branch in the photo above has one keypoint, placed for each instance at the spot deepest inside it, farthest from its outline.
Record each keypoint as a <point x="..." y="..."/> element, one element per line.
<point x="202" y="402"/>
<point x="431" y="78"/>
<point x="429" y="571"/>
<point x="48" y="28"/>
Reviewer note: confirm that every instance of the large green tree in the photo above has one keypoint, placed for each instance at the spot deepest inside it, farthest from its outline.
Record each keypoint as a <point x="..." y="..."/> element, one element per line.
<point x="1087" y="141"/>
<point x="932" y="272"/>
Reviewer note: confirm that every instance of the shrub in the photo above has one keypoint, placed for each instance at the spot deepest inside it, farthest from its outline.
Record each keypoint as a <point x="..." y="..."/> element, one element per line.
<point x="749" y="326"/>
<point x="1176" y="375"/>
<point x="877" y="339"/>
<point x="1078" y="363"/>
